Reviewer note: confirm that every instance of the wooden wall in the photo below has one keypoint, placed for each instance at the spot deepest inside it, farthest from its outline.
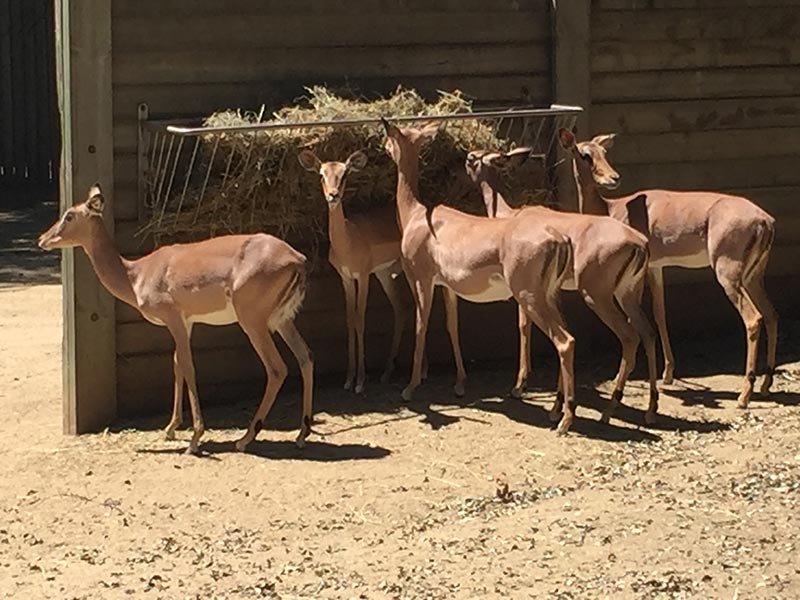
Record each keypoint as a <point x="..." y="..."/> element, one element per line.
<point x="705" y="94"/>
<point x="242" y="53"/>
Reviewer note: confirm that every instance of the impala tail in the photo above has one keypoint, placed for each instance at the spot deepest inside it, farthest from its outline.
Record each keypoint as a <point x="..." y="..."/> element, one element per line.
<point x="291" y="299"/>
<point x="759" y="247"/>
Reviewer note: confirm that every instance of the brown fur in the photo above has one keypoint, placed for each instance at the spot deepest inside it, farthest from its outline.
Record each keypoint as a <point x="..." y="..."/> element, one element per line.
<point x="608" y="268"/>
<point x="479" y="259"/>
<point x="256" y="280"/>
<point x="691" y="229"/>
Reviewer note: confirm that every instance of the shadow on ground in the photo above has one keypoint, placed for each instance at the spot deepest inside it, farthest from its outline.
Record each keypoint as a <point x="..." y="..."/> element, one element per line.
<point x="22" y="220"/>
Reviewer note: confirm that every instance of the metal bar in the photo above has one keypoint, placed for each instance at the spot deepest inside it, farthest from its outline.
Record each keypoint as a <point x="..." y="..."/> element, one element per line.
<point x="163" y="178"/>
<point x="554" y="110"/>
<point x="205" y="182"/>
<point x="171" y="177"/>
<point x="189" y="171"/>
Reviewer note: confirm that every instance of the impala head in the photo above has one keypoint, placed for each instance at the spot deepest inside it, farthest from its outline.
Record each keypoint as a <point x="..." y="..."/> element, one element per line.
<point x="407" y="141"/>
<point x="486" y="165"/>
<point x="74" y="228"/>
<point x="333" y="174"/>
<point x="590" y="158"/>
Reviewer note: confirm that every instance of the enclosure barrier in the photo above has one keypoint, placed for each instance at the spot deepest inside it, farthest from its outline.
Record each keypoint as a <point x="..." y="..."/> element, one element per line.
<point x="186" y="170"/>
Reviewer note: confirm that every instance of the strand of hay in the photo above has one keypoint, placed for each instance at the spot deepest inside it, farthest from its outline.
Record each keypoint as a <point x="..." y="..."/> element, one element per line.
<point x="257" y="184"/>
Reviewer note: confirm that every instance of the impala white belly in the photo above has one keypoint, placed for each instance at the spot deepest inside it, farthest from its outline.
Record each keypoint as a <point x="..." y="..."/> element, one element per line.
<point x="226" y="316"/>
<point x="692" y="261"/>
<point x="496" y="291"/>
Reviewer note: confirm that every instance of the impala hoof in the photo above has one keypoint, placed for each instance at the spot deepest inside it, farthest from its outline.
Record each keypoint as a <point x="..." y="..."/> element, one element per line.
<point x="300" y="442"/>
<point x="554" y="416"/>
<point x="169" y="435"/>
<point x="743" y="402"/>
<point x="359" y="388"/>
<point x="563" y="427"/>
<point x="241" y="445"/>
<point x="407" y="394"/>
<point x="516" y="392"/>
<point x="668" y="378"/>
<point x="192" y="450"/>
<point x="348" y="385"/>
<point x="605" y="418"/>
<point x="458" y="390"/>
<point x="650" y="418"/>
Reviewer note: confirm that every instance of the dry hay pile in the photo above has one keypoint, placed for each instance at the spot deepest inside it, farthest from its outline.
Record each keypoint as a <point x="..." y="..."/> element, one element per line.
<point x="266" y="189"/>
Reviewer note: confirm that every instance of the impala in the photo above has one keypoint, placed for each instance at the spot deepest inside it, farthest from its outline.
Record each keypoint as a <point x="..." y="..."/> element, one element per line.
<point x="478" y="259"/>
<point x="609" y="268"/>
<point x="256" y="280"/>
<point x="690" y="229"/>
<point x="361" y="245"/>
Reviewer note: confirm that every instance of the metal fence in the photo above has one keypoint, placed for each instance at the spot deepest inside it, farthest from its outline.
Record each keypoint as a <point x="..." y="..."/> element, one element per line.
<point x="187" y="171"/>
<point x="29" y="128"/>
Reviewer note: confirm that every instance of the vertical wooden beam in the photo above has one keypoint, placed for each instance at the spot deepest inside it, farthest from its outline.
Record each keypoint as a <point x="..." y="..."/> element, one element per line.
<point x="84" y="77"/>
<point x="572" y="75"/>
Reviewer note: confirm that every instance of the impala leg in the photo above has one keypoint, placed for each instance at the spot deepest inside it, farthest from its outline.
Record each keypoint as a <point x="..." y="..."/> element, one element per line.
<point x="264" y="345"/>
<point x="631" y="303"/>
<point x="728" y="274"/>
<point x="656" y="282"/>
<point x="349" y="286"/>
<point x="524" y="354"/>
<point x="758" y="295"/>
<point x="604" y="307"/>
<point x="392" y="289"/>
<point x="177" y="403"/>
<point x="451" y="308"/>
<point x="183" y="352"/>
<point x="547" y="317"/>
<point x="424" y="300"/>
<point x="362" y="291"/>
<point x="299" y="348"/>
<point x="558" y="404"/>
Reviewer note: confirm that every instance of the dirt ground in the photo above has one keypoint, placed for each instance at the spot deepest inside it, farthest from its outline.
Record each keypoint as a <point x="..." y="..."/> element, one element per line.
<point x="476" y="499"/>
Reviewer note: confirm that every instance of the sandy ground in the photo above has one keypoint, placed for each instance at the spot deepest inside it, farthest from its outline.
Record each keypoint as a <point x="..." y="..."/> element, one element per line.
<point x="396" y="502"/>
<point x="475" y="499"/>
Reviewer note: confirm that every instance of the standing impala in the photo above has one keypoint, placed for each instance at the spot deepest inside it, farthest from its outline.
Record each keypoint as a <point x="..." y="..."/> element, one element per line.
<point x="478" y="259"/>
<point x="609" y="268"/>
<point x="257" y="280"/>
<point x="361" y="245"/>
<point x="693" y="230"/>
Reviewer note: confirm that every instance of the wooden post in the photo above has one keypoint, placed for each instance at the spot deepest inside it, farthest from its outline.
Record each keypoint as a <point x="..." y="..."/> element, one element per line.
<point x="572" y="74"/>
<point x="84" y="86"/>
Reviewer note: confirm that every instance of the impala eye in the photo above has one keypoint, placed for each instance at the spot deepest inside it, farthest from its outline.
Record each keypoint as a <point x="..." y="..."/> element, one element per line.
<point x="68" y="217"/>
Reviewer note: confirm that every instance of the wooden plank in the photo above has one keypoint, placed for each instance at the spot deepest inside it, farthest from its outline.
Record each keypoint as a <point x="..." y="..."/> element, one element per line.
<point x="29" y="13"/>
<point x="193" y="99"/>
<point x="19" y="120"/>
<point x="627" y="55"/>
<point x="741" y="24"/>
<point x="291" y="30"/>
<point x="237" y="64"/>
<point x="758" y="144"/>
<point x="696" y="115"/>
<point x="779" y="171"/>
<point x="572" y="77"/>
<point x="84" y="33"/>
<point x="646" y="5"/>
<point x="699" y="84"/>
<point x="177" y="8"/>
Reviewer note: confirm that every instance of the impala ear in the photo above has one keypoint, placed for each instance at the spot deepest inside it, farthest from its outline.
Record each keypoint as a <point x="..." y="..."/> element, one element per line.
<point x="96" y="202"/>
<point x="309" y="160"/>
<point x="390" y="129"/>
<point x="605" y="140"/>
<point x="566" y="138"/>
<point x="517" y="156"/>
<point x="356" y="161"/>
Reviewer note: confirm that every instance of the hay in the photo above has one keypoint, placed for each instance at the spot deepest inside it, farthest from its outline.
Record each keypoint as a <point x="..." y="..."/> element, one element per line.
<point x="255" y="182"/>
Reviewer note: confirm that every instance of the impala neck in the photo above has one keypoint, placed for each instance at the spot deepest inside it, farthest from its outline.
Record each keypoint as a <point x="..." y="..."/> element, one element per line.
<point x="408" y="188"/>
<point x="111" y="269"/>
<point x="496" y="205"/>
<point x="590" y="201"/>
<point x="336" y="224"/>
